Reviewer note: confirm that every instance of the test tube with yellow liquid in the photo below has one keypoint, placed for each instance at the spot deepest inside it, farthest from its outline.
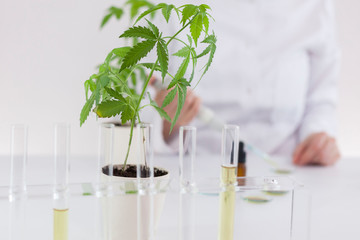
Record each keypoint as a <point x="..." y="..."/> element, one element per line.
<point x="61" y="160"/>
<point x="229" y="152"/>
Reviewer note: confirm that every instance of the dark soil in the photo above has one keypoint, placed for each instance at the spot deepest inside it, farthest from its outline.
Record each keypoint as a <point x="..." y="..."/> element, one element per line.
<point x="130" y="171"/>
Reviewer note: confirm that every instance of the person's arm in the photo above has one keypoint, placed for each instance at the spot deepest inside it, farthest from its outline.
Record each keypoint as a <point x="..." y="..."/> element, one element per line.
<point x="317" y="132"/>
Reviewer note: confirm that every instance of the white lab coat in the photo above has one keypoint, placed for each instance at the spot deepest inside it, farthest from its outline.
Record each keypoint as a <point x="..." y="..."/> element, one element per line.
<point x="274" y="73"/>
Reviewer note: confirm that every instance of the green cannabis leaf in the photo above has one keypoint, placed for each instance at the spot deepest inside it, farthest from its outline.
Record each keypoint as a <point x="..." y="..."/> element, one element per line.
<point x="136" y="5"/>
<point x="154" y="66"/>
<point x="211" y="40"/>
<point x="153" y="28"/>
<point x="141" y="32"/>
<point x="162" y="53"/>
<point x="85" y="111"/>
<point x="158" y="109"/>
<point x="166" y="11"/>
<point x="112" y="11"/>
<point x="110" y="108"/>
<point x="136" y="53"/>
<point x="196" y="28"/>
<point x="115" y="94"/>
<point x="169" y="98"/>
<point x="188" y="11"/>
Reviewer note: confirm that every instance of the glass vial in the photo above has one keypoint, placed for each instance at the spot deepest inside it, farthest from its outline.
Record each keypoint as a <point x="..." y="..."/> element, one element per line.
<point x="17" y="190"/>
<point x="229" y="153"/>
<point x="187" y="156"/>
<point x="61" y="180"/>
<point x="145" y="180"/>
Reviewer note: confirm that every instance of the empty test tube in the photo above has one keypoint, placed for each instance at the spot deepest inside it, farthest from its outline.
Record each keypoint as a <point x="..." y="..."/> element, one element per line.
<point x="187" y="155"/>
<point x="61" y="181"/>
<point x="17" y="191"/>
<point x="145" y="180"/>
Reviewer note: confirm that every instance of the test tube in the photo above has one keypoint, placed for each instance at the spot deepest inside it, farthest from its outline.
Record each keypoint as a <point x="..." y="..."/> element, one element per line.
<point x="104" y="188"/>
<point x="145" y="180"/>
<point x="61" y="180"/>
<point x="187" y="155"/>
<point x="229" y="153"/>
<point x="105" y="159"/>
<point x="17" y="191"/>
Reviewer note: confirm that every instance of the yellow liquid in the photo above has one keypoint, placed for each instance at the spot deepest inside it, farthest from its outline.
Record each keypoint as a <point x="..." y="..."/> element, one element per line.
<point x="227" y="204"/>
<point x="60" y="224"/>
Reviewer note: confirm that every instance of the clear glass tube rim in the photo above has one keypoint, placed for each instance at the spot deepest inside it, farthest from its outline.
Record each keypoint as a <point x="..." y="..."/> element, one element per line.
<point x="188" y="128"/>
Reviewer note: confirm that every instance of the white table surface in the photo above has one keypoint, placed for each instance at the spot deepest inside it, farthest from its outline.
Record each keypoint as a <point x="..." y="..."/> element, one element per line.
<point x="335" y="190"/>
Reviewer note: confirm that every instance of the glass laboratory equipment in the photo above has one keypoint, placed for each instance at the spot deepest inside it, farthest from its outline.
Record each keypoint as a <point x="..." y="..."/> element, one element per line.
<point x="229" y="153"/>
<point x="17" y="188"/>
<point x="61" y="180"/>
<point x="187" y="155"/>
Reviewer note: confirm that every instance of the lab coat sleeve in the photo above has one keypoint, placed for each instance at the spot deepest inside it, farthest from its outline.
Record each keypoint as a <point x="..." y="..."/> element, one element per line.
<point x="321" y="99"/>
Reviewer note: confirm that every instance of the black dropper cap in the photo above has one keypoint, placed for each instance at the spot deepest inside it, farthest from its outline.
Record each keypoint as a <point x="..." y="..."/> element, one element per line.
<point x="242" y="153"/>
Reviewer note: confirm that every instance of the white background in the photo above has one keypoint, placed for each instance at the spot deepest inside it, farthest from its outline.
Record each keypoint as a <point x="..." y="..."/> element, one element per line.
<point x="49" y="48"/>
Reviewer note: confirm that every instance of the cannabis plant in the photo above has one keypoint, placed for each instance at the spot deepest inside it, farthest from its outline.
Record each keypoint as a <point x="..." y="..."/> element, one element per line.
<point x="114" y="88"/>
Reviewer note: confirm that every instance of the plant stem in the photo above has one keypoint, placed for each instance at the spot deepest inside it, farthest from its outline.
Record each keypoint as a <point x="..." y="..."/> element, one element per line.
<point x="130" y="140"/>
<point x="185" y="26"/>
<point x="145" y="86"/>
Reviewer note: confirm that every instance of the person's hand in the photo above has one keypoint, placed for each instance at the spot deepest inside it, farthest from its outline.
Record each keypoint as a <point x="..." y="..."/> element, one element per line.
<point x="318" y="149"/>
<point x="189" y="111"/>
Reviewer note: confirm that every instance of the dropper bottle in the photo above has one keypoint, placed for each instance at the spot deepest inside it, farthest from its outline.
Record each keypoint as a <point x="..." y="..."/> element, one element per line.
<point x="241" y="167"/>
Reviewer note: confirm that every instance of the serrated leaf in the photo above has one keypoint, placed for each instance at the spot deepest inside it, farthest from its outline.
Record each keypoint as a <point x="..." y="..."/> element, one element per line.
<point x="183" y="67"/>
<point x="89" y="85"/>
<point x="172" y="83"/>
<point x="105" y="20"/>
<point x="114" y="94"/>
<point x="121" y="52"/>
<point x="158" y="109"/>
<point x="147" y="12"/>
<point x="189" y="39"/>
<point x="135" y="6"/>
<point x="194" y="62"/>
<point x="202" y="8"/>
<point x="137" y="52"/>
<point x="180" y="104"/>
<point x="104" y="81"/>
<point x="169" y="98"/>
<point x="127" y="114"/>
<point x="211" y="39"/>
<point x="85" y="111"/>
<point x="139" y="32"/>
<point x="162" y="113"/>
<point x="150" y="66"/>
<point x="188" y="11"/>
<point x="206" y="24"/>
<point x="206" y="51"/>
<point x="154" y="28"/>
<point x="110" y="108"/>
<point x="196" y="28"/>
<point x="117" y="12"/>
<point x="184" y="52"/>
<point x="166" y="11"/>
<point x="177" y="12"/>
<point x="162" y="53"/>
<point x="183" y="83"/>
<point x="112" y="11"/>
